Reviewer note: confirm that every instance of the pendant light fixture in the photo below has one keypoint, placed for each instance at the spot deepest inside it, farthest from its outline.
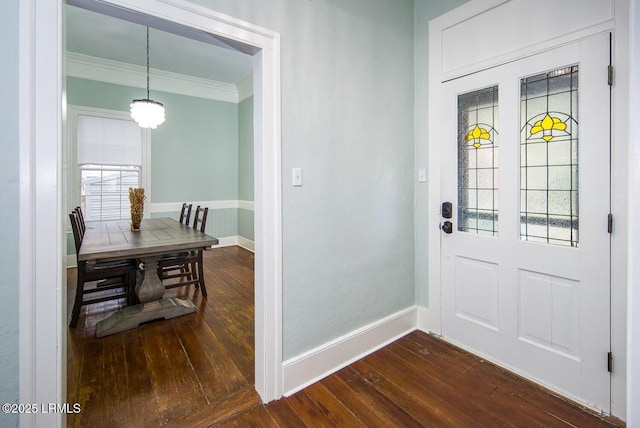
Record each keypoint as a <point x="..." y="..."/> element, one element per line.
<point x="147" y="112"/>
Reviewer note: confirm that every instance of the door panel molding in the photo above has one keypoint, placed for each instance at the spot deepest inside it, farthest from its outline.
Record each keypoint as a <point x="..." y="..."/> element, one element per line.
<point x="498" y="46"/>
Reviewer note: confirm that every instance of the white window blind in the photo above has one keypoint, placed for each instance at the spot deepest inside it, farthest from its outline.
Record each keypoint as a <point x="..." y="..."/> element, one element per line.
<point x="105" y="141"/>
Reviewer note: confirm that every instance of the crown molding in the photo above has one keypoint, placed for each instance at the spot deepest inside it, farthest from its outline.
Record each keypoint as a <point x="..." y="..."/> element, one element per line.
<point x="245" y="88"/>
<point x="120" y="73"/>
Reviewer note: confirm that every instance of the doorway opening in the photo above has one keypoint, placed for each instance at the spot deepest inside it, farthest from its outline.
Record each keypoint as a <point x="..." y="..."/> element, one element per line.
<point x="266" y="147"/>
<point x="42" y="319"/>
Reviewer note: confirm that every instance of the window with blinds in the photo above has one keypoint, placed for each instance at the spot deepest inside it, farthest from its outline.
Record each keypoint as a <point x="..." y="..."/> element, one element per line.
<point x="110" y="161"/>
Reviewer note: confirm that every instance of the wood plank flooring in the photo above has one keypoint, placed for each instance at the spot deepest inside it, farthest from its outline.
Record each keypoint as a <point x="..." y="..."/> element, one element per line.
<point x="197" y="371"/>
<point x="188" y="371"/>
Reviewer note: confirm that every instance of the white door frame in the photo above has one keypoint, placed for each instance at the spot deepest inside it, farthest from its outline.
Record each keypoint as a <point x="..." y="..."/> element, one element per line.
<point x="443" y="66"/>
<point x="42" y="322"/>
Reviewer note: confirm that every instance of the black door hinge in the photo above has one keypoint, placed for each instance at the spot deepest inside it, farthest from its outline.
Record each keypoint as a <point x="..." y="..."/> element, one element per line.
<point x="610" y="362"/>
<point x="610" y="223"/>
<point x="610" y="75"/>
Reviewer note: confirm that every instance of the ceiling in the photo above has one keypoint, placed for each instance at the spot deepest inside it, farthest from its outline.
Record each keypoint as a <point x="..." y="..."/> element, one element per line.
<point x="103" y="36"/>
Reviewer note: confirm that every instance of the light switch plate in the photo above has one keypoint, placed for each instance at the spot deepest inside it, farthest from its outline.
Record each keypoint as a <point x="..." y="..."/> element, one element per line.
<point x="422" y="175"/>
<point x="296" y="176"/>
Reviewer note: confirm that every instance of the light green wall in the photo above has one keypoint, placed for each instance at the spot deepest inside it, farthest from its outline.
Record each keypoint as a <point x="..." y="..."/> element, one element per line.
<point x="90" y="93"/>
<point x="245" y="150"/>
<point x="194" y="154"/>
<point x="246" y="224"/>
<point x="245" y="166"/>
<point x="347" y="120"/>
<point x="203" y="151"/>
<point x="9" y="214"/>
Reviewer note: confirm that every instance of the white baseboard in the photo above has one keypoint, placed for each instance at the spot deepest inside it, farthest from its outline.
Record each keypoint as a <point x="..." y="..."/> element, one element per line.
<point x="422" y="319"/>
<point x="229" y="241"/>
<point x="305" y="369"/>
<point x="247" y="244"/>
<point x="426" y="321"/>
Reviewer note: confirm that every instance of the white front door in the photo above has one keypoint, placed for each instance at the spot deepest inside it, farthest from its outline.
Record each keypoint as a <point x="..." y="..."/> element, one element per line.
<point x="525" y="165"/>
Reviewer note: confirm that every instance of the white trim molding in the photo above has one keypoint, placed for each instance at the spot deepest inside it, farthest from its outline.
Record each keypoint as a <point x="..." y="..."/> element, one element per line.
<point x="633" y="270"/>
<point x="42" y="318"/>
<point x="236" y="240"/>
<point x="246" y="243"/>
<point x="499" y="46"/>
<point x="245" y="89"/>
<point x="424" y="321"/>
<point x="167" y="207"/>
<point x="121" y="73"/>
<point x="246" y="205"/>
<point x="311" y="366"/>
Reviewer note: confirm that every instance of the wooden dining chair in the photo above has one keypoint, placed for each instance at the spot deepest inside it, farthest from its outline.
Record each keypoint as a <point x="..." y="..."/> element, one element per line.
<point x="185" y="213"/>
<point x="186" y="267"/>
<point x="200" y="218"/>
<point x="112" y="280"/>
<point x="165" y="264"/>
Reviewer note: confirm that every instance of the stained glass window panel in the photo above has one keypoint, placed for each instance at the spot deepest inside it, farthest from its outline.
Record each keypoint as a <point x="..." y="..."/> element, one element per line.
<point x="549" y="157"/>
<point x="478" y="162"/>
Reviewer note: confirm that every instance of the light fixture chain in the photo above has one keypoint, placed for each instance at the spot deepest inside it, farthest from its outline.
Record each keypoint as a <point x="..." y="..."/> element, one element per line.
<point x="147" y="112"/>
<point x="148" y="97"/>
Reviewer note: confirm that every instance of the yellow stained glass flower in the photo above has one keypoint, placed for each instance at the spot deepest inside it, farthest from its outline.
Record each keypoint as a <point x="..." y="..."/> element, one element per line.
<point x="477" y="134"/>
<point x="547" y="125"/>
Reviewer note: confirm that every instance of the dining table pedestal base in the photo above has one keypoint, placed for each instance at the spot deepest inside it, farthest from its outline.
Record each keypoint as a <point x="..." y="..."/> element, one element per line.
<point x="132" y="316"/>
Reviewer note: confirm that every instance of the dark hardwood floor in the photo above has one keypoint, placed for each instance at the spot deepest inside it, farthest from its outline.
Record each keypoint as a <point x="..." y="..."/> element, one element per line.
<point x="197" y="371"/>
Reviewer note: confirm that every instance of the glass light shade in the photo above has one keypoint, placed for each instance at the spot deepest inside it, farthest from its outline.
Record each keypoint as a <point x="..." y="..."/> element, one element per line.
<point x="147" y="113"/>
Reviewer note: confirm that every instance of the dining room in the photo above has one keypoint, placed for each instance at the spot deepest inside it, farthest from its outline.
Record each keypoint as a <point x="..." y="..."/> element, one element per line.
<point x="201" y="154"/>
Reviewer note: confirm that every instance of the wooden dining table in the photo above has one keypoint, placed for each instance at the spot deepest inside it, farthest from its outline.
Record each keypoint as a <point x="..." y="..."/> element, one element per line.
<point x="114" y="240"/>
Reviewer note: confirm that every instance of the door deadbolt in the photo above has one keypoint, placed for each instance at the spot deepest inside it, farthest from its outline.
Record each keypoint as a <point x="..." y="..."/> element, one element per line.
<point x="447" y="210"/>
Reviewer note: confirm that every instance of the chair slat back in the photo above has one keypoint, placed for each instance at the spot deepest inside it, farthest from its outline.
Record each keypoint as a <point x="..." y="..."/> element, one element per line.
<point x="80" y="223"/>
<point x="75" y="227"/>
<point x="185" y="213"/>
<point x="83" y="227"/>
<point x="200" y="218"/>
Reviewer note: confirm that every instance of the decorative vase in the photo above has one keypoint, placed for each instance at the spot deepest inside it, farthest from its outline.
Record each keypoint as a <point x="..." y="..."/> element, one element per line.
<point x="136" y="197"/>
